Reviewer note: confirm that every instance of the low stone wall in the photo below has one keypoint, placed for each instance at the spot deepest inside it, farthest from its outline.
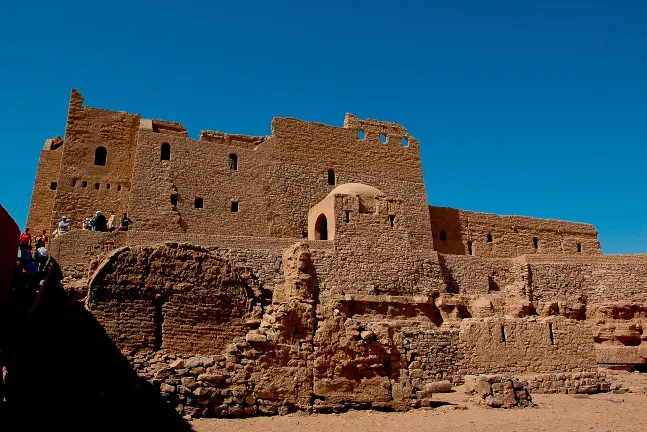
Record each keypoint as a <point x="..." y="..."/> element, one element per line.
<point x="568" y="383"/>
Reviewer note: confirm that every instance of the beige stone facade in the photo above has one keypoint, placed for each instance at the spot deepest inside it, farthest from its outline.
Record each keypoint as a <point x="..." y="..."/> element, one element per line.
<point x="305" y="270"/>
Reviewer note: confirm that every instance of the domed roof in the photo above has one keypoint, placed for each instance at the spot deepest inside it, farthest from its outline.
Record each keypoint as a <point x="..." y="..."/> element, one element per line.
<point x="356" y="189"/>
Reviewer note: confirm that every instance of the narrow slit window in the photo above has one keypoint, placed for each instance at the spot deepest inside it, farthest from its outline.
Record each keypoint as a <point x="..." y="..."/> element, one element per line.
<point x="503" y="339"/>
<point x="53" y="185"/>
<point x="234" y="206"/>
<point x="347" y="216"/>
<point x="579" y="247"/>
<point x="331" y="177"/>
<point x="100" y="156"/>
<point x="233" y="162"/>
<point x="489" y="237"/>
<point x="469" y="247"/>
<point x="73" y="183"/>
<point x="552" y="335"/>
<point x="443" y="235"/>
<point x="118" y="187"/>
<point x="535" y="242"/>
<point x="173" y="199"/>
<point x="199" y="203"/>
<point x="392" y="220"/>
<point x="165" y="152"/>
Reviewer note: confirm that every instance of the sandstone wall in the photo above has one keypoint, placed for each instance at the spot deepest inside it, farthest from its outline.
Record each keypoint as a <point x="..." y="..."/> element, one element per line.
<point x="197" y="304"/>
<point x="526" y="346"/>
<point x="77" y="250"/>
<point x="45" y="186"/>
<point x="511" y="236"/>
<point x="83" y="187"/>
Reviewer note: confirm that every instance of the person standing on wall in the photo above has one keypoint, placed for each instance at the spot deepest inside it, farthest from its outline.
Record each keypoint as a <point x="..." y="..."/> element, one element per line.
<point x="63" y="226"/>
<point x="124" y="222"/>
<point x="25" y="243"/>
<point x="100" y="222"/>
<point x="112" y="221"/>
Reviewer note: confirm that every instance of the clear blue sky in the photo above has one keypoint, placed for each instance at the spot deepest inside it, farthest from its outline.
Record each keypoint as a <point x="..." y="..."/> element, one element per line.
<point x="536" y="107"/>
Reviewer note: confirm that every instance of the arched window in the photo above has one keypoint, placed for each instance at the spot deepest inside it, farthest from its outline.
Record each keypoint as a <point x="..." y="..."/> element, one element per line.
<point x="489" y="237"/>
<point x="321" y="228"/>
<point x="100" y="156"/>
<point x="331" y="177"/>
<point x="443" y="235"/>
<point x="165" y="153"/>
<point x="233" y="162"/>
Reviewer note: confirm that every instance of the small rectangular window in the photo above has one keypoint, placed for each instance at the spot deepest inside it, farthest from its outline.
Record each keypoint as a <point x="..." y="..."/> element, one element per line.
<point x="234" y="206"/>
<point x="503" y="338"/>
<point x="347" y="216"/>
<point x="53" y="185"/>
<point x="73" y="183"/>
<point x="579" y="247"/>
<point x="392" y="220"/>
<point x="174" y="199"/>
<point x="96" y="185"/>
<point x="199" y="203"/>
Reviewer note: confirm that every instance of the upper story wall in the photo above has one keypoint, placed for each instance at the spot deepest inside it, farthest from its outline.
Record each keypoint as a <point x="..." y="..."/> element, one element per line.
<point x="196" y="187"/>
<point x="83" y="186"/>
<point x="45" y="186"/>
<point x="490" y="235"/>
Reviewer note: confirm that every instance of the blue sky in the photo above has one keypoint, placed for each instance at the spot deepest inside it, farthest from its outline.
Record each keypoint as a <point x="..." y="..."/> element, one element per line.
<point x="536" y="108"/>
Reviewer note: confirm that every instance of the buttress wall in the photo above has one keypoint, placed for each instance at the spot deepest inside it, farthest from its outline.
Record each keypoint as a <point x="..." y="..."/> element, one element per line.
<point x="84" y="187"/>
<point x="464" y="232"/>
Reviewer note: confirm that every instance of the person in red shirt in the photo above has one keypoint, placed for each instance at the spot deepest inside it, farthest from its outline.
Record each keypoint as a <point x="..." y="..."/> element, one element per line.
<point x="25" y="243"/>
<point x="43" y="237"/>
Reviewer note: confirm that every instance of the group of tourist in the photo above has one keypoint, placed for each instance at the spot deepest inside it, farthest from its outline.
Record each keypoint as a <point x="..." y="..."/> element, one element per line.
<point x="29" y="260"/>
<point x="97" y="222"/>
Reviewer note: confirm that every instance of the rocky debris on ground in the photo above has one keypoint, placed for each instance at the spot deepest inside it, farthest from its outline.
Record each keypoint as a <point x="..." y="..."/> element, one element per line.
<point x="497" y="391"/>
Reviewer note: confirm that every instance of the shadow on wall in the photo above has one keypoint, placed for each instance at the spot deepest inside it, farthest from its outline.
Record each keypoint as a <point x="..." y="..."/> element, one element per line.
<point x="63" y="370"/>
<point x="446" y="230"/>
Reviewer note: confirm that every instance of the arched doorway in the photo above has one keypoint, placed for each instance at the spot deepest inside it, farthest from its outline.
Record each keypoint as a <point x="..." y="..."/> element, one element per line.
<point x="321" y="228"/>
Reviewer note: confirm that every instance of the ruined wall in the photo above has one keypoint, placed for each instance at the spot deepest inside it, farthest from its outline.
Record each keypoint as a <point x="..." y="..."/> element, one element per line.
<point x="302" y="153"/>
<point x="78" y="251"/>
<point x="371" y="257"/>
<point x="198" y="303"/>
<point x="526" y="346"/>
<point x="45" y="186"/>
<point x="83" y="187"/>
<point x="510" y="236"/>
<point x="614" y="278"/>
<point x="432" y="355"/>
<point x="199" y="169"/>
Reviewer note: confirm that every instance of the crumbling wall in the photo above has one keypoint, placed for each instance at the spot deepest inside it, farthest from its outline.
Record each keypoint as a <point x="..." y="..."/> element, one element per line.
<point x="83" y="187"/>
<point x="45" y="186"/>
<point x="532" y="345"/>
<point x="177" y="297"/>
<point x="490" y="235"/>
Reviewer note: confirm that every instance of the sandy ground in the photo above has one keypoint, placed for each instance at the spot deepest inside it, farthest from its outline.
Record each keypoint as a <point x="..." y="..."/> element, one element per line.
<point x="601" y="413"/>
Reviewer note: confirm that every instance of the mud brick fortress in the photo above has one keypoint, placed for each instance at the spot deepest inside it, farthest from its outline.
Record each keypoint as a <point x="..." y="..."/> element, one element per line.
<point x="305" y="270"/>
